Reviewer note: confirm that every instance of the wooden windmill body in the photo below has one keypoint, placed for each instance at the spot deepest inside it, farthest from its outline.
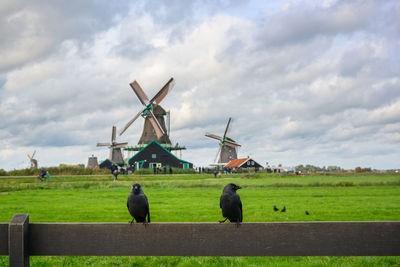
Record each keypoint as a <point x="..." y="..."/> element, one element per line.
<point x="115" y="148"/>
<point x="227" y="146"/>
<point x="33" y="161"/>
<point x="149" y="134"/>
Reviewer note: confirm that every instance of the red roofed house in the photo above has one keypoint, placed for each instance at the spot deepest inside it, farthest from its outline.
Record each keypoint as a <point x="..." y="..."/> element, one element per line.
<point x="245" y="163"/>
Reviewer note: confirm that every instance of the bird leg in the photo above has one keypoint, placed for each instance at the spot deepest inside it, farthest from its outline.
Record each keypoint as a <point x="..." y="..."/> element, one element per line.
<point x="131" y="222"/>
<point x="223" y="220"/>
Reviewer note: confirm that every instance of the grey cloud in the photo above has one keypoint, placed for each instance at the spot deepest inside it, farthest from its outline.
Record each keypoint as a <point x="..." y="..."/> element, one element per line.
<point x="32" y="30"/>
<point x="301" y="22"/>
<point x="320" y="95"/>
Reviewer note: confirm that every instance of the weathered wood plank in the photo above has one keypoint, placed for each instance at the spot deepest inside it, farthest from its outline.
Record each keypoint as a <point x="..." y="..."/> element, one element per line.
<point x="214" y="239"/>
<point x="3" y="238"/>
<point x="18" y="240"/>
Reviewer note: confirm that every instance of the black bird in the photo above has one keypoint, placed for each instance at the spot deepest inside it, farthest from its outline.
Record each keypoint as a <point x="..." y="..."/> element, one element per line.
<point x="275" y="208"/>
<point x="284" y="209"/>
<point x="138" y="204"/>
<point x="231" y="204"/>
<point x="307" y="213"/>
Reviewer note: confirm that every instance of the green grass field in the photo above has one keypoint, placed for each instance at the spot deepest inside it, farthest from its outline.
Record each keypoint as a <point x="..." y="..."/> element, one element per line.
<point x="195" y="198"/>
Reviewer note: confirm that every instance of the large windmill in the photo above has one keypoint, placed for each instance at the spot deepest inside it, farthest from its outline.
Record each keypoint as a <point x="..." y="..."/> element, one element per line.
<point x="153" y="114"/>
<point x="115" y="148"/>
<point x="227" y="146"/>
<point x="34" y="163"/>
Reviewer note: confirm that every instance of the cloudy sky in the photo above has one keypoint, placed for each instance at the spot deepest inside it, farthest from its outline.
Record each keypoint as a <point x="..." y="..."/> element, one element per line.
<point x="306" y="82"/>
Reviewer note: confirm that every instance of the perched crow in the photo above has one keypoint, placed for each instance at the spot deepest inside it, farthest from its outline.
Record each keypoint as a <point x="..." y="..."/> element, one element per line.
<point x="230" y="204"/>
<point x="275" y="208"/>
<point x="307" y="213"/>
<point x="138" y="205"/>
<point x="284" y="209"/>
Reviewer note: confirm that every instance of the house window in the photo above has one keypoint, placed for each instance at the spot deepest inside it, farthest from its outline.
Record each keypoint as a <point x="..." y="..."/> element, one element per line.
<point x="252" y="163"/>
<point x="153" y="156"/>
<point x="248" y="163"/>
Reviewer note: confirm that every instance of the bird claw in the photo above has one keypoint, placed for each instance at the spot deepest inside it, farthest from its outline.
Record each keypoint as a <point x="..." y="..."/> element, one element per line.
<point x="237" y="224"/>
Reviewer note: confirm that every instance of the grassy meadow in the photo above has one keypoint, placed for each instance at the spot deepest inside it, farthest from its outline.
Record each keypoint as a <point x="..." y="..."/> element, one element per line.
<point x="195" y="198"/>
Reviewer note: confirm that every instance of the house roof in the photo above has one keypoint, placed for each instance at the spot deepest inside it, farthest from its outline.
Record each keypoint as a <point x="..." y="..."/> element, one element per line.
<point x="154" y="141"/>
<point x="112" y="162"/>
<point x="236" y="163"/>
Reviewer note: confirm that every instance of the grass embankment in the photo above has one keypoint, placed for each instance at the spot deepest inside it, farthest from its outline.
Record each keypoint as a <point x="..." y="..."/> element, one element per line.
<point x="195" y="198"/>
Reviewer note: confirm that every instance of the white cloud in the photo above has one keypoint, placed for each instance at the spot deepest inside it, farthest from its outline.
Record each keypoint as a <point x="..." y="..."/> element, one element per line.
<point x="308" y="82"/>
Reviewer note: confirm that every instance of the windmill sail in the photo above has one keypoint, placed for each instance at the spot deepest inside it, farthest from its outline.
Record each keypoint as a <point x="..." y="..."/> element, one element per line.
<point x="154" y="125"/>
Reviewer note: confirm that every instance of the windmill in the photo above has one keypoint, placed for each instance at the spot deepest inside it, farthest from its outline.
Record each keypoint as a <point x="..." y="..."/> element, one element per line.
<point x="153" y="114"/>
<point x="115" y="148"/>
<point x="227" y="146"/>
<point x="34" y="163"/>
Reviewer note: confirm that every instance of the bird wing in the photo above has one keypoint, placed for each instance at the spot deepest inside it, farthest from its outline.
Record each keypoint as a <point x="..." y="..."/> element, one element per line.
<point x="147" y="208"/>
<point x="238" y="203"/>
<point x="129" y="206"/>
<point x="241" y="210"/>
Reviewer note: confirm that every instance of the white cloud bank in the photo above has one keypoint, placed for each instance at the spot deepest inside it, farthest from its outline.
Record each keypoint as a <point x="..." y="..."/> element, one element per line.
<point x="307" y="82"/>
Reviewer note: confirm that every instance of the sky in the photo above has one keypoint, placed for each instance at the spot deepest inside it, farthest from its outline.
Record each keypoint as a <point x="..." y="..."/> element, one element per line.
<point x="306" y="82"/>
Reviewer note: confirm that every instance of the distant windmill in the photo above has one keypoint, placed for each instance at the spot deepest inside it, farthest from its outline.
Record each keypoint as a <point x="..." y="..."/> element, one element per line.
<point x="227" y="146"/>
<point x="153" y="114"/>
<point x="115" y="148"/>
<point x="34" y="163"/>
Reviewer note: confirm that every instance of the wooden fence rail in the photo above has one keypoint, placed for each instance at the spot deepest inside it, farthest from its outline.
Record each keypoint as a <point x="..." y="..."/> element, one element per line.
<point x="20" y="239"/>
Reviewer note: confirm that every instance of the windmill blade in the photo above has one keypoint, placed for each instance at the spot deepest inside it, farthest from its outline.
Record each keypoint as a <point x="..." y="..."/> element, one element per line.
<point x="227" y="127"/>
<point x="34" y="152"/>
<point x="231" y="144"/>
<point x="219" y="151"/>
<point x="213" y="136"/>
<point x="120" y="145"/>
<point x="156" y="125"/>
<point x="103" y="144"/>
<point x="139" y="93"/>
<point x="163" y="92"/>
<point x="113" y="134"/>
<point x="29" y="156"/>
<point x="130" y="122"/>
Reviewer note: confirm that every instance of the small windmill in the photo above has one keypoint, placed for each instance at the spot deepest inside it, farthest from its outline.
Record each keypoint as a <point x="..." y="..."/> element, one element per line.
<point x="34" y="163"/>
<point x="227" y="146"/>
<point x="153" y="114"/>
<point x="115" y="148"/>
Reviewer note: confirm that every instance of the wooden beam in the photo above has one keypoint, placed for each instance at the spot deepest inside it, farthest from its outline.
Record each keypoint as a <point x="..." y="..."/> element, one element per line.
<point x="214" y="239"/>
<point x="18" y="240"/>
<point x="3" y="238"/>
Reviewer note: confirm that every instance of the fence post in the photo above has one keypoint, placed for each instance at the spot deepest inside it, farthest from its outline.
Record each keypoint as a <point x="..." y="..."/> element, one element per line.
<point x="18" y="240"/>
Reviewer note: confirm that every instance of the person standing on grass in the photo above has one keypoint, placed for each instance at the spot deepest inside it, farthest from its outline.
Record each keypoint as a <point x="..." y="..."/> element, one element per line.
<point x="170" y="170"/>
<point x="48" y="176"/>
<point x="114" y="171"/>
<point x="42" y="174"/>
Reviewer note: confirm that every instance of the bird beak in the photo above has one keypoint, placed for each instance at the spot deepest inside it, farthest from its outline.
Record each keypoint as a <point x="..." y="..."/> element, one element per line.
<point x="238" y="187"/>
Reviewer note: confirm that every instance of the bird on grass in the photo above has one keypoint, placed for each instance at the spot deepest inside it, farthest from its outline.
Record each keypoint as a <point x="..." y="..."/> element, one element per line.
<point x="307" y="213"/>
<point x="275" y="208"/>
<point x="231" y="204"/>
<point x="284" y="209"/>
<point x="138" y="205"/>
